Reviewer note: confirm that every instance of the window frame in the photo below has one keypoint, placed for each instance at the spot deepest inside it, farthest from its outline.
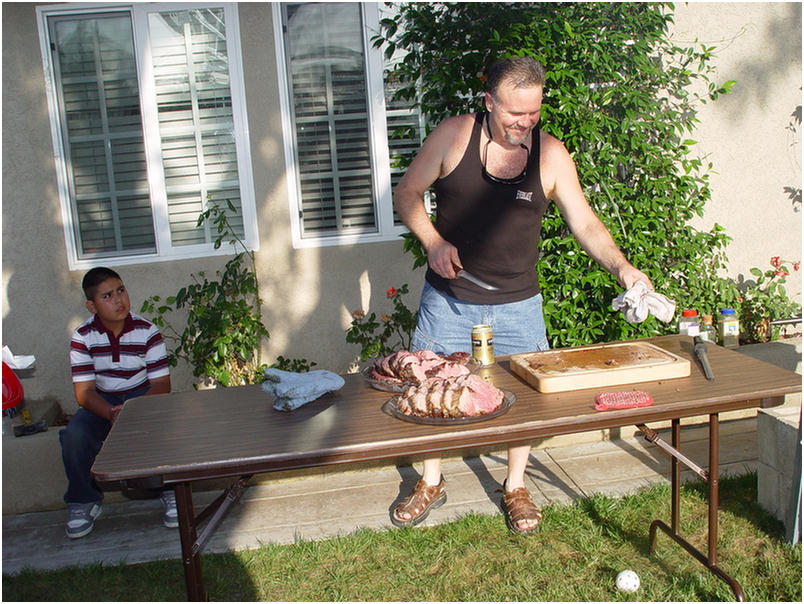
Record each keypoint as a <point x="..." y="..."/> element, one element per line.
<point x="379" y="161"/>
<point x="164" y="251"/>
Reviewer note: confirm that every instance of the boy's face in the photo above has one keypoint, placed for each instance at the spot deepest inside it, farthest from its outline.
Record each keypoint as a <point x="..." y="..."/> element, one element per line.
<point x="111" y="302"/>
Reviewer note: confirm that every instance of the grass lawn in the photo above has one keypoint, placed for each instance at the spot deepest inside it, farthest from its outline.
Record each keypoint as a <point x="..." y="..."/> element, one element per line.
<point x="574" y="557"/>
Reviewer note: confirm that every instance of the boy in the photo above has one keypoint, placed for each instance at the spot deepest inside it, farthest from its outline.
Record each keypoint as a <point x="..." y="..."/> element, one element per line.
<point x="114" y="356"/>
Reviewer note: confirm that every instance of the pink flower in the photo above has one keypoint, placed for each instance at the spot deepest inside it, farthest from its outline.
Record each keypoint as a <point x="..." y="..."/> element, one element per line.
<point x="390" y="292"/>
<point x="781" y="273"/>
<point x="776" y="262"/>
<point x="796" y="266"/>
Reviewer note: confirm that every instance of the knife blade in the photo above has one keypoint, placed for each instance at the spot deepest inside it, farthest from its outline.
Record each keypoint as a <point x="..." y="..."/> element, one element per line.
<point x="700" y="352"/>
<point x="476" y="281"/>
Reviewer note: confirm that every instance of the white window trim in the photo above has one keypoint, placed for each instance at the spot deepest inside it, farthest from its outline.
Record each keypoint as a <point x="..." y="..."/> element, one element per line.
<point x="139" y="15"/>
<point x="386" y="230"/>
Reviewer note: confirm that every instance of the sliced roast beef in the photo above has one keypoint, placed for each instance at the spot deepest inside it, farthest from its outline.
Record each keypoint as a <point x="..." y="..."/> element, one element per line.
<point x="458" y="396"/>
<point x="416" y="367"/>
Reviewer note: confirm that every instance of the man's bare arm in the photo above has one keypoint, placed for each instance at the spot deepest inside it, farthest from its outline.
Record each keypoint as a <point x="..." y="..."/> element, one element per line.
<point x="565" y="189"/>
<point x="423" y="171"/>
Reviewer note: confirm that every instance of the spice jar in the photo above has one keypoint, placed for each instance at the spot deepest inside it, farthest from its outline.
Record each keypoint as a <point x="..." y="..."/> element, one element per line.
<point x="688" y="323"/>
<point x="728" y="328"/>
<point x="708" y="331"/>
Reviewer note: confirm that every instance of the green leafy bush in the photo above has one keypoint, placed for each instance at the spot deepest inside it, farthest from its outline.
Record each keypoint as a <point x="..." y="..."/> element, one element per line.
<point x="223" y="334"/>
<point x="620" y="95"/>
<point x="766" y="300"/>
<point x="222" y="337"/>
<point x="395" y="330"/>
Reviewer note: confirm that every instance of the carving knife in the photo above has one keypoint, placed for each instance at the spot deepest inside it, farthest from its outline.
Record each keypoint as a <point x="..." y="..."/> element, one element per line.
<point x="476" y="281"/>
<point x="700" y="352"/>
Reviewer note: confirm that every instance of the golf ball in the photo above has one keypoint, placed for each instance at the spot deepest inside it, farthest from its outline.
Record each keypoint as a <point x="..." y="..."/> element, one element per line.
<point x="628" y="581"/>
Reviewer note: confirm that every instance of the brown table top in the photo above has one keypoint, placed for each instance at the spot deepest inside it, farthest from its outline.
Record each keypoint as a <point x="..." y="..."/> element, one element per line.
<point x="233" y="431"/>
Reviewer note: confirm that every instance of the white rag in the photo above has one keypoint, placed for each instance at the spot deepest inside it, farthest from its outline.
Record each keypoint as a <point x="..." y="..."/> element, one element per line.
<point x="292" y="390"/>
<point x="639" y="301"/>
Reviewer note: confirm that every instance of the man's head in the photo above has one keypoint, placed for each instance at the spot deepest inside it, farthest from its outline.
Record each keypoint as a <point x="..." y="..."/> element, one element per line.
<point x="106" y="296"/>
<point x="514" y="98"/>
<point x="517" y="72"/>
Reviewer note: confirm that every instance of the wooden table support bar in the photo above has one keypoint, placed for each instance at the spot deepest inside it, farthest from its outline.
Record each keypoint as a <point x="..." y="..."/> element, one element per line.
<point x="710" y="560"/>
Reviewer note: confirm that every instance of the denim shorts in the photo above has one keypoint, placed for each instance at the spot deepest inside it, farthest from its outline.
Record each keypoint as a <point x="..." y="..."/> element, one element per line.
<point x="445" y="324"/>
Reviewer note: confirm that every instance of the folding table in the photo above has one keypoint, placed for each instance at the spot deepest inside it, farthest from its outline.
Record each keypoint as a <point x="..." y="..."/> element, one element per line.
<point x="179" y="438"/>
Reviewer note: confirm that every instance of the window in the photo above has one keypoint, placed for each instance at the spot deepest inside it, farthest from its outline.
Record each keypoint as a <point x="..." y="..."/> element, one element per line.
<point x="339" y="124"/>
<point x="148" y="126"/>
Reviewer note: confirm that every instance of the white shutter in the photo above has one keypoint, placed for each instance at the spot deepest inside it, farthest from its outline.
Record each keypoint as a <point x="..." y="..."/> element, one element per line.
<point x="331" y="119"/>
<point x="196" y="125"/>
<point x="99" y="111"/>
<point x="404" y="119"/>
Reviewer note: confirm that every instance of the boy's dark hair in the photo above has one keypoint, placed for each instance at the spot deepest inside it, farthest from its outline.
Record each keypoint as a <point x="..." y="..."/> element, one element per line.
<point x="522" y="72"/>
<point x="94" y="278"/>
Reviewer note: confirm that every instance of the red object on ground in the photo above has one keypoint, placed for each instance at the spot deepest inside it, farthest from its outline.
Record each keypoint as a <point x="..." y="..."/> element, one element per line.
<point x="12" y="389"/>
<point x="622" y="400"/>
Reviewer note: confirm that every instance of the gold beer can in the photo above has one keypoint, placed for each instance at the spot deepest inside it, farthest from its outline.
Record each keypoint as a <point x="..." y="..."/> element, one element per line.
<point x="483" y="344"/>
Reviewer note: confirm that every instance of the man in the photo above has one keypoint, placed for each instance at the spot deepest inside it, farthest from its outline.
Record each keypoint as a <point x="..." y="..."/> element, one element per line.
<point x="494" y="174"/>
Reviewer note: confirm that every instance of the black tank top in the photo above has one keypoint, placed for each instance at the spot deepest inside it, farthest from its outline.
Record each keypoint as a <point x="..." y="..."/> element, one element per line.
<point x="496" y="227"/>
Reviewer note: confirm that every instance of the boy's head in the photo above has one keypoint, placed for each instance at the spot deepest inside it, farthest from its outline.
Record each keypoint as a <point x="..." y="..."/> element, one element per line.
<point x="106" y="296"/>
<point x="94" y="278"/>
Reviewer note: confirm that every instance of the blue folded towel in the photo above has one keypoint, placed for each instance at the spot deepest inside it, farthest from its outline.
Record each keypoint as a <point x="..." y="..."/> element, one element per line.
<point x="292" y="390"/>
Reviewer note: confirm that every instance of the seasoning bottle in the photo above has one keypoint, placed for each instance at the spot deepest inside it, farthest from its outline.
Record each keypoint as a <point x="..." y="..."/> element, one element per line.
<point x="729" y="328"/>
<point x="708" y="331"/>
<point x="688" y="323"/>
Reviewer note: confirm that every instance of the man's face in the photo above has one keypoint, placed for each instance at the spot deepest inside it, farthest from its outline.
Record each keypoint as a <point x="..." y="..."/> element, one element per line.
<point x="111" y="302"/>
<point x="515" y="111"/>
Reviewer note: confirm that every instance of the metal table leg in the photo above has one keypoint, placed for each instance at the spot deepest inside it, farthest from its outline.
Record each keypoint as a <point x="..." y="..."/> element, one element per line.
<point x="710" y="560"/>
<point x="191" y="558"/>
<point x="191" y="542"/>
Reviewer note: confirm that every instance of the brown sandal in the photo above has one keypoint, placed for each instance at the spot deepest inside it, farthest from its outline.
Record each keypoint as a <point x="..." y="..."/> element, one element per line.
<point x="517" y="506"/>
<point x="419" y="503"/>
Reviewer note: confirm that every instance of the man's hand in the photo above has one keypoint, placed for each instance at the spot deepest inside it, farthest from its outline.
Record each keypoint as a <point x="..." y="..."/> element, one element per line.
<point x="443" y="259"/>
<point x="628" y="275"/>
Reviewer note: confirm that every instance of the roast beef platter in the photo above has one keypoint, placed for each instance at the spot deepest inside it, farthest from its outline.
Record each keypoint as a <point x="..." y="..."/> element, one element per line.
<point x="436" y="389"/>
<point x="397" y="371"/>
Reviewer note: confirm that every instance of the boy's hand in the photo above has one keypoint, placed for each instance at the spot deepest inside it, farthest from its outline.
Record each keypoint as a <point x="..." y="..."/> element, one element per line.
<point x="115" y="411"/>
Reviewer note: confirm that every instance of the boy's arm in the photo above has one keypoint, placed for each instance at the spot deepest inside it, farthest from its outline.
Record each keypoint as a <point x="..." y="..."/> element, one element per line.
<point x="89" y="399"/>
<point x="160" y="385"/>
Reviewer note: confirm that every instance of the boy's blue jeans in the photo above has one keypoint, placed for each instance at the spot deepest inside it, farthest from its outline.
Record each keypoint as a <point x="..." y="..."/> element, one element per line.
<point x="81" y="441"/>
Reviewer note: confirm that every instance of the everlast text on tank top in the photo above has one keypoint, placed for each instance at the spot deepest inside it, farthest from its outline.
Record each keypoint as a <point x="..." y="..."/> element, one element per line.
<point x="496" y="227"/>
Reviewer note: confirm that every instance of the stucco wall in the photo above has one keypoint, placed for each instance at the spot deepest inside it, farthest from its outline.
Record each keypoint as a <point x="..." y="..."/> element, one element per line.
<point x="309" y="293"/>
<point x="745" y="133"/>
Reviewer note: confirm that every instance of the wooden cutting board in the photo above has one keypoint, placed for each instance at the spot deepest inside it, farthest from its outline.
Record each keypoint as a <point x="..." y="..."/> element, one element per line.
<point x="598" y="365"/>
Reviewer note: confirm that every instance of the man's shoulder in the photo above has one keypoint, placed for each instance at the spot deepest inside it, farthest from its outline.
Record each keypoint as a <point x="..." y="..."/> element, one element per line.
<point x="552" y="149"/>
<point x="457" y="123"/>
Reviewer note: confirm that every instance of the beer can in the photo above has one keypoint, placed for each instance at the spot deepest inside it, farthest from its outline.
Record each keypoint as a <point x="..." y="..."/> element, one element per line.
<point x="483" y="344"/>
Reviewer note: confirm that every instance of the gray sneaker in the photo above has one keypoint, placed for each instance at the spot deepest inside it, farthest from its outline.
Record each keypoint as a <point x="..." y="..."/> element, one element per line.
<point x="82" y="518"/>
<point x="170" y="517"/>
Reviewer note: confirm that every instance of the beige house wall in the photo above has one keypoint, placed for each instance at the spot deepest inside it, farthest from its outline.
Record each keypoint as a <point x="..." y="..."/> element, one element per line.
<point x="310" y="293"/>
<point x="746" y="134"/>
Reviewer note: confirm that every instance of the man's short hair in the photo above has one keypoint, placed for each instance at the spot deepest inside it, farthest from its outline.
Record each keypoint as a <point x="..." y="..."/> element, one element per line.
<point x="522" y="72"/>
<point x="94" y="278"/>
